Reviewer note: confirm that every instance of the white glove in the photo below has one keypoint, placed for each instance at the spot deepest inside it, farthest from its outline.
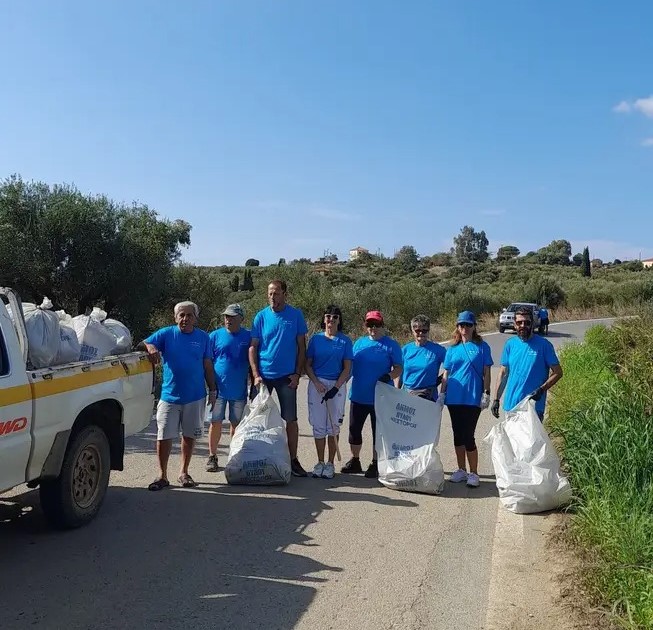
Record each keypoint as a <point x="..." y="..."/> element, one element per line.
<point x="485" y="401"/>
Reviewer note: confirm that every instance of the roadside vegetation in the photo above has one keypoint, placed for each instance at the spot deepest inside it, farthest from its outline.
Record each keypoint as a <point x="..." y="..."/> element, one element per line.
<point x="84" y="250"/>
<point x="602" y="414"/>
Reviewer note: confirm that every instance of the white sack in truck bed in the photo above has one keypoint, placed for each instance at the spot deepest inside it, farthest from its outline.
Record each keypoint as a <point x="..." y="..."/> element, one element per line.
<point x="43" y="333"/>
<point x="96" y="340"/>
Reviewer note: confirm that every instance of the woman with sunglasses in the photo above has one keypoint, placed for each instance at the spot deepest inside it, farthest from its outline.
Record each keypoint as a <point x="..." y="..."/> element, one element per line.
<point x="328" y="365"/>
<point x="377" y="357"/>
<point x="422" y="361"/>
<point x="466" y="388"/>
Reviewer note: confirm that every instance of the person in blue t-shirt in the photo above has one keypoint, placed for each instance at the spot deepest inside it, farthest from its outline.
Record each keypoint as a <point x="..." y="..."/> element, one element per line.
<point x="544" y="321"/>
<point x="466" y="388"/>
<point x="276" y="356"/>
<point x="529" y="367"/>
<point x="328" y="365"/>
<point x="187" y="365"/>
<point x="377" y="357"/>
<point x="422" y="359"/>
<point x="230" y="348"/>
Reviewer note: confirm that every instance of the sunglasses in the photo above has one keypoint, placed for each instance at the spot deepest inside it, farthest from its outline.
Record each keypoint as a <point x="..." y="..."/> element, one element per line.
<point x="374" y="324"/>
<point x="465" y="324"/>
<point x="420" y="331"/>
<point x="332" y="316"/>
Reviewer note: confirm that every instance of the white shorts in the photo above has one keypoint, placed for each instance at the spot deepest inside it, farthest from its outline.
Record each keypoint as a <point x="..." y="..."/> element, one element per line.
<point x="188" y="418"/>
<point x="319" y="414"/>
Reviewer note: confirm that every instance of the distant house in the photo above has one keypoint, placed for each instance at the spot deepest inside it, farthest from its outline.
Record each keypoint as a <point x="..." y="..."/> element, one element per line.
<point x="356" y="252"/>
<point x="647" y="263"/>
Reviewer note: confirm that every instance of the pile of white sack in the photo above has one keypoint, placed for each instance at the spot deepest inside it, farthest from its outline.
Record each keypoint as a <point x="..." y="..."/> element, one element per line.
<point x="55" y="337"/>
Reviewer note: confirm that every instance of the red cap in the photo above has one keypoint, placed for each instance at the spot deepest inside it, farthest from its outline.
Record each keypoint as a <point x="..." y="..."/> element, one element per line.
<point x="374" y="316"/>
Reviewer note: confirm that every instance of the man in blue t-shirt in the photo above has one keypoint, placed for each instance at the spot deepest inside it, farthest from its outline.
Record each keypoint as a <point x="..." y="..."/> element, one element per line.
<point x="276" y="356"/>
<point x="230" y="350"/>
<point x="544" y="321"/>
<point x="529" y="367"/>
<point x="187" y="364"/>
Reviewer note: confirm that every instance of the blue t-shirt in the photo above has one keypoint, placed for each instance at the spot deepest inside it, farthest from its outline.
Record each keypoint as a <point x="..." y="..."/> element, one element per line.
<point x="465" y="363"/>
<point x="372" y="359"/>
<point x="544" y="314"/>
<point x="183" y="357"/>
<point x="328" y="354"/>
<point x="422" y="365"/>
<point x="231" y="362"/>
<point x="528" y="364"/>
<point x="277" y="334"/>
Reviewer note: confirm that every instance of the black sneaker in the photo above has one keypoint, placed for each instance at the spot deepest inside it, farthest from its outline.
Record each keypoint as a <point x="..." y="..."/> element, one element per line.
<point x="212" y="463"/>
<point x="372" y="471"/>
<point x="352" y="466"/>
<point x="296" y="469"/>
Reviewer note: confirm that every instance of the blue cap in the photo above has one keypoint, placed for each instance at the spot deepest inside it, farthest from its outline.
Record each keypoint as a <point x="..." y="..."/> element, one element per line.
<point x="466" y="317"/>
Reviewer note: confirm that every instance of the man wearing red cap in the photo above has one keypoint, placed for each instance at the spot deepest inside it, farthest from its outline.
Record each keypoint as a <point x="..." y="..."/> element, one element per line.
<point x="377" y="357"/>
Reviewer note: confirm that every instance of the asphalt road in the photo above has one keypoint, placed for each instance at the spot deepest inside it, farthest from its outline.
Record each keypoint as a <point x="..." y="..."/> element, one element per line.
<point x="345" y="553"/>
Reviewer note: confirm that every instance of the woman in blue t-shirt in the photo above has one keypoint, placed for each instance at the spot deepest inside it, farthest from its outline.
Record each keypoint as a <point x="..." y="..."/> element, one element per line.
<point x="377" y="357"/>
<point x="466" y="388"/>
<point x="328" y="365"/>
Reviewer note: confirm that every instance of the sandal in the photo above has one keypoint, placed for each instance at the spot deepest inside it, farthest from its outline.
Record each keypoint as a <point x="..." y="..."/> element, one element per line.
<point x="158" y="484"/>
<point x="186" y="481"/>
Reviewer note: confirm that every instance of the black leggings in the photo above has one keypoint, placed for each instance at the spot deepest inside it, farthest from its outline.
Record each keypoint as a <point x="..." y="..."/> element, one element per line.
<point x="358" y="413"/>
<point x="463" y="423"/>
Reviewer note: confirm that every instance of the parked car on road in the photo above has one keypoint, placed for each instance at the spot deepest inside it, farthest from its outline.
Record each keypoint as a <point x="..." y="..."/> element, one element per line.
<point x="507" y="316"/>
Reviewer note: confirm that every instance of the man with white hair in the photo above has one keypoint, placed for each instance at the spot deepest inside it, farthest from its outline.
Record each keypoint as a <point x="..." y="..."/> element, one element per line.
<point x="187" y="364"/>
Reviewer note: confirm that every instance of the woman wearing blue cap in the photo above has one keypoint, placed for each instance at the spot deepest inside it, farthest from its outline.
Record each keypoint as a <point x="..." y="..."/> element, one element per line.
<point x="466" y="388"/>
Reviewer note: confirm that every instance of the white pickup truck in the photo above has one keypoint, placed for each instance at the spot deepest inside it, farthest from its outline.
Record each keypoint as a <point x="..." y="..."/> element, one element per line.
<point x="63" y="428"/>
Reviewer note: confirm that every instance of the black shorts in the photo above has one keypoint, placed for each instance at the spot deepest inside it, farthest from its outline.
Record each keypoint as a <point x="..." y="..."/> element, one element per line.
<point x="358" y="413"/>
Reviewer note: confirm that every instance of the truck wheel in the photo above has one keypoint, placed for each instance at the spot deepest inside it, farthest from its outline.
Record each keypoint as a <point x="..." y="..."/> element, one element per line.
<point x="75" y="496"/>
<point x="502" y="329"/>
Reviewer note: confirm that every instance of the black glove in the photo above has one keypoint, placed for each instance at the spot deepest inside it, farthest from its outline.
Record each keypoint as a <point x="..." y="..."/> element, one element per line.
<point x="385" y="378"/>
<point x="537" y="394"/>
<point x="253" y="391"/>
<point x="330" y="394"/>
<point x="495" y="408"/>
<point x="438" y="382"/>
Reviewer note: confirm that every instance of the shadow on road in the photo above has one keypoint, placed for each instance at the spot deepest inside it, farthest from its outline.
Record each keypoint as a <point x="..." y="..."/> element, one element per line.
<point x="217" y="556"/>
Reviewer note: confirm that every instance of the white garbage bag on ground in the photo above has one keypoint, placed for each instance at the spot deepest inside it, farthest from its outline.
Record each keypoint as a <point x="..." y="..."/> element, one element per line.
<point x="526" y="464"/>
<point x="95" y="340"/>
<point x="258" y="454"/>
<point x="122" y="335"/>
<point x="42" y="326"/>
<point x="407" y="432"/>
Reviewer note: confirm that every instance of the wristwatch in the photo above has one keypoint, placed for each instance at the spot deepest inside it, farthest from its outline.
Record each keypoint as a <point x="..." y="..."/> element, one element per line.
<point x="487" y="392"/>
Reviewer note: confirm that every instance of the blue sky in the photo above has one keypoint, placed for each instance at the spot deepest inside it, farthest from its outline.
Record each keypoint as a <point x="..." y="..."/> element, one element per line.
<point x="282" y="129"/>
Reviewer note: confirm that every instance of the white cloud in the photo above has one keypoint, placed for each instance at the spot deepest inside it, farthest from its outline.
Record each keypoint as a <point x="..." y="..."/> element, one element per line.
<point x="647" y="142"/>
<point x="333" y="215"/>
<point x="622" y="108"/>
<point x="645" y="106"/>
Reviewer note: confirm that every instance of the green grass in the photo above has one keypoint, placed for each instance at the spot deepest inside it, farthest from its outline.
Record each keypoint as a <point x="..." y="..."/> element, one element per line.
<point x="602" y="414"/>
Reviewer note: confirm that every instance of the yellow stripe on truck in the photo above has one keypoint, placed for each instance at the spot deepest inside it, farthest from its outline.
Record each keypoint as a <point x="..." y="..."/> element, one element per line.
<point x="50" y="387"/>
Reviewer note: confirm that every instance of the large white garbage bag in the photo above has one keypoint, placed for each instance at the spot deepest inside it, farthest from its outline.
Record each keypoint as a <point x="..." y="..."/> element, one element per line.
<point x="42" y="326"/>
<point x="95" y="340"/>
<point x="122" y="336"/>
<point x="407" y="432"/>
<point x="526" y="464"/>
<point x="69" y="347"/>
<point x="258" y="454"/>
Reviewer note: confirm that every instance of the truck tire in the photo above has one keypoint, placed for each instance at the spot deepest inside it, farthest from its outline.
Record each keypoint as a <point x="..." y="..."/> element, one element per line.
<point x="76" y="495"/>
<point x="502" y="329"/>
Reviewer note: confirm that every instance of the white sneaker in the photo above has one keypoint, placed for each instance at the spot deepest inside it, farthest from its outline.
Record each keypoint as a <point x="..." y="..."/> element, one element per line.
<point x="318" y="469"/>
<point x="473" y="481"/>
<point x="458" y="476"/>
<point x="328" y="471"/>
